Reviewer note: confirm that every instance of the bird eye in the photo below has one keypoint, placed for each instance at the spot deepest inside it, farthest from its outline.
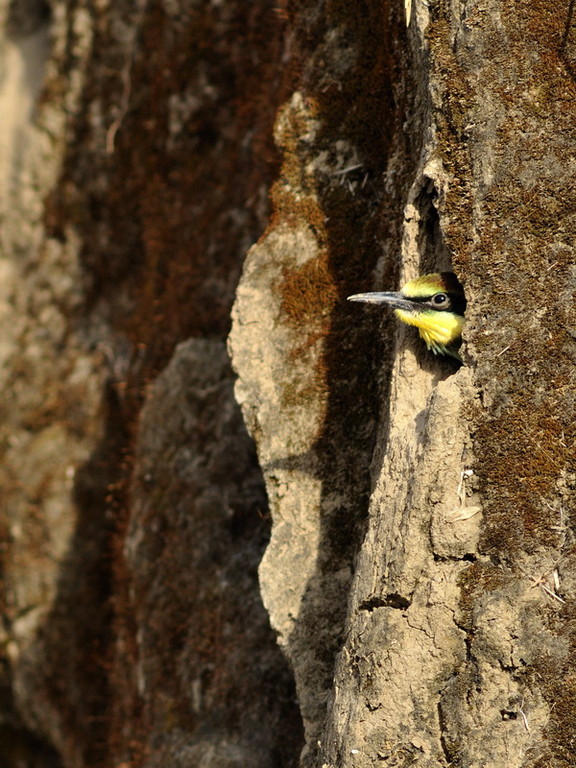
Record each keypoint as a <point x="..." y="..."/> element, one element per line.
<point x="440" y="298"/>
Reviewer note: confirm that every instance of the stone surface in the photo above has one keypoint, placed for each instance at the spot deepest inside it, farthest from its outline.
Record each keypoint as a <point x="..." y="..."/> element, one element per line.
<point x="198" y="648"/>
<point x="376" y="566"/>
<point x="121" y="238"/>
<point x="471" y="476"/>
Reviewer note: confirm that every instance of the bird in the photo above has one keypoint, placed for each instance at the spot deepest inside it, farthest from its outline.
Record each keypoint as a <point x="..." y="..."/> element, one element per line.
<point x="434" y="303"/>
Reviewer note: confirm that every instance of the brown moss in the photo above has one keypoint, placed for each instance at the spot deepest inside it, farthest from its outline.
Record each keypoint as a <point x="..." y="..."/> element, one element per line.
<point x="308" y="299"/>
<point x="166" y="215"/>
<point x="479" y="578"/>
<point x="331" y="340"/>
<point x="309" y="294"/>
<point x="557" y="678"/>
<point x="517" y="273"/>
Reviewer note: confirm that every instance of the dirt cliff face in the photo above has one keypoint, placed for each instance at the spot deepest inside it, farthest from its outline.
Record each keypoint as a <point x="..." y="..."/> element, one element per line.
<point x="136" y="174"/>
<point x="464" y="557"/>
<point x="244" y="522"/>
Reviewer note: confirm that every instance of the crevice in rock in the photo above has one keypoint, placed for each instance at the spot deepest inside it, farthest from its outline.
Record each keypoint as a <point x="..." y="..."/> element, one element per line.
<point x="451" y="758"/>
<point x="392" y="600"/>
<point x="434" y="255"/>
<point x="469" y="557"/>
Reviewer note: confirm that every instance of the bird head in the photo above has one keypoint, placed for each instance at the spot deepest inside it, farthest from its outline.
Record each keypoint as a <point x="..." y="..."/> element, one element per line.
<point x="434" y="303"/>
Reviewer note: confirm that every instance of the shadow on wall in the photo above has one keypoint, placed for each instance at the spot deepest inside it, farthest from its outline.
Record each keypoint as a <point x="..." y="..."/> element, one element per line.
<point x="361" y="114"/>
<point x="370" y="140"/>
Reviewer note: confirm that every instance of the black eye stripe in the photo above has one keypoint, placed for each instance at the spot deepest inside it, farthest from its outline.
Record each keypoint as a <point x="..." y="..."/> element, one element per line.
<point x="456" y="304"/>
<point x="423" y="299"/>
<point x="448" y="286"/>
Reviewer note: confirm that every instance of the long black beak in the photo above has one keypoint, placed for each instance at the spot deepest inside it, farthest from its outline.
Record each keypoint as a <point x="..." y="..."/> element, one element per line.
<point x="395" y="300"/>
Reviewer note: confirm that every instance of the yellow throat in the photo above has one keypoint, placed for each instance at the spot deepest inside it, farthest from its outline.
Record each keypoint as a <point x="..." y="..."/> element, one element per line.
<point x="434" y="304"/>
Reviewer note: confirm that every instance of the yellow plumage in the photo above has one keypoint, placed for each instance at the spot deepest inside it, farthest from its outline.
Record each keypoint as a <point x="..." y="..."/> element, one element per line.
<point x="438" y="330"/>
<point x="434" y="304"/>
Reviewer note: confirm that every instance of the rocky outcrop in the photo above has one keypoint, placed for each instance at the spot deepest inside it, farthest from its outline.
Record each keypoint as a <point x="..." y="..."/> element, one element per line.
<point x="244" y="522"/>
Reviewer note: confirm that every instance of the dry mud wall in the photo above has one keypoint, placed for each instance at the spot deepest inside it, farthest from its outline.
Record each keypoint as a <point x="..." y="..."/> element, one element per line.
<point x="347" y="552"/>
